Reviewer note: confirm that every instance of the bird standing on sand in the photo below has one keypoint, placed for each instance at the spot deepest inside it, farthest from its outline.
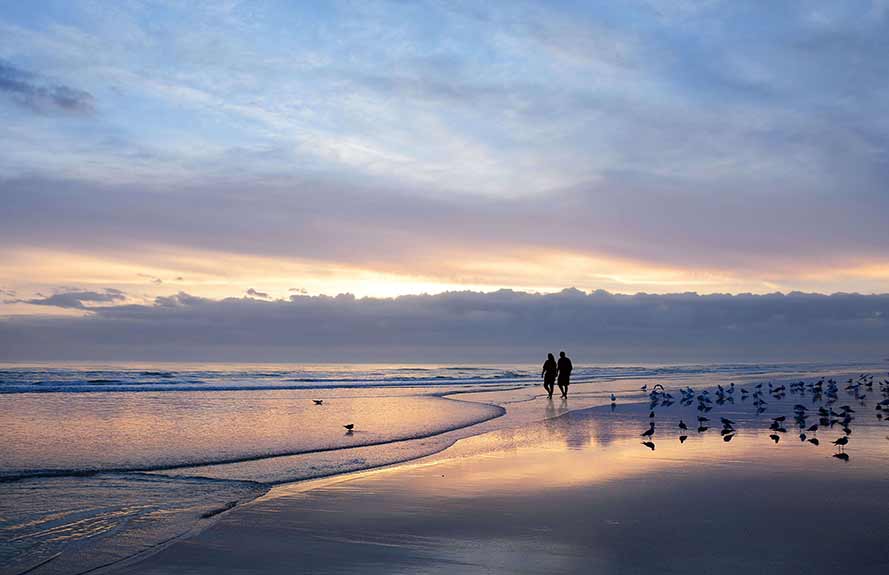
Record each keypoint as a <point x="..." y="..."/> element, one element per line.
<point x="318" y="401"/>
<point x="349" y="426"/>
<point x="649" y="432"/>
<point x="842" y="442"/>
<point x="682" y="425"/>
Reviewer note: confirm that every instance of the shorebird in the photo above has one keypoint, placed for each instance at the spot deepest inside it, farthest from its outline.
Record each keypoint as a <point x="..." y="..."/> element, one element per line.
<point x="318" y="401"/>
<point x="349" y="426"/>
<point x="644" y="387"/>
<point x="682" y="425"/>
<point x="842" y="441"/>
<point x="613" y="398"/>
<point x="727" y="422"/>
<point x="648" y="432"/>
<point x="702" y="428"/>
<point x="702" y="419"/>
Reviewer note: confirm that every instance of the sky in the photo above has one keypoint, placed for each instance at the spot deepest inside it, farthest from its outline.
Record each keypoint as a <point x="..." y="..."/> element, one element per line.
<point x="174" y="155"/>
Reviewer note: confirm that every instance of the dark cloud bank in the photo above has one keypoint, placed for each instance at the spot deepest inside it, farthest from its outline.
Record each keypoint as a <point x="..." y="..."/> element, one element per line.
<point x="463" y="326"/>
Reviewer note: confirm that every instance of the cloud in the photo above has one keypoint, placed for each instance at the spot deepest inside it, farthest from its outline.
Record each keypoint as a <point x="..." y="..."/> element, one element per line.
<point x="76" y="299"/>
<point x="259" y="294"/>
<point x="466" y="326"/>
<point x="42" y="95"/>
<point x="766" y="234"/>
<point x="152" y="279"/>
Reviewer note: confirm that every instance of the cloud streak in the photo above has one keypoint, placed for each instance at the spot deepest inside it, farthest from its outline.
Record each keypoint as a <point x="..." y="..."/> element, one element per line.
<point x="42" y="95"/>
<point x="76" y="299"/>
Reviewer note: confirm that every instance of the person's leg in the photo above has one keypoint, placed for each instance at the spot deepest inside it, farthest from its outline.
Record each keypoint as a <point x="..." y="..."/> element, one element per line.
<point x="548" y="386"/>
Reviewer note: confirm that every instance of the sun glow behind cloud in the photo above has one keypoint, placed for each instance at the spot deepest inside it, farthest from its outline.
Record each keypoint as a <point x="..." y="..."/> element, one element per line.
<point x="164" y="271"/>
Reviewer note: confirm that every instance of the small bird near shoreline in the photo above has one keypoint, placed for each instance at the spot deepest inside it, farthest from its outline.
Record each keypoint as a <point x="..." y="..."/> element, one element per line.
<point x="648" y="432"/>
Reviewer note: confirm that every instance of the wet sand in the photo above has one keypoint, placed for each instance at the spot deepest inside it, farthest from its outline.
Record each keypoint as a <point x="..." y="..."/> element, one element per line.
<point x="576" y="494"/>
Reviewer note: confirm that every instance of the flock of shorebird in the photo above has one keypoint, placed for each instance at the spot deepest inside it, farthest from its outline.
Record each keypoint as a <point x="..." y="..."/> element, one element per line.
<point x="824" y="395"/>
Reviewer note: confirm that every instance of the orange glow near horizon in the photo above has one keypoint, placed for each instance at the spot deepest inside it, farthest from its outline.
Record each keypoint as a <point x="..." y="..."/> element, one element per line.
<point x="164" y="271"/>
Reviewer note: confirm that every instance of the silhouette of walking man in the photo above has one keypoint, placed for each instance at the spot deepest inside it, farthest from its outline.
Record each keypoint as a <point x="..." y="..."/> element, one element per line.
<point x="550" y="367"/>
<point x="565" y="368"/>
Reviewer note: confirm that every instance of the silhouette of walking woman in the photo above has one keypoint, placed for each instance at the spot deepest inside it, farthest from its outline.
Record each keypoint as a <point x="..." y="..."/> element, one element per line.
<point x="565" y="368"/>
<point x="549" y="374"/>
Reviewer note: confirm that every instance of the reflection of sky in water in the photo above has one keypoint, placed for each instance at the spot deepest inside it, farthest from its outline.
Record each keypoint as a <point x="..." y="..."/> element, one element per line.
<point x="145" y="430"/>
<point x="580" y="494"/>
<point x="601" y="444"/>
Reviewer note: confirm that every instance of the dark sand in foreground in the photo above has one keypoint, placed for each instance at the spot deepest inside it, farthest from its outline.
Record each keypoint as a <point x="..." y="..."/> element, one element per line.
<point x="578" y="494"/>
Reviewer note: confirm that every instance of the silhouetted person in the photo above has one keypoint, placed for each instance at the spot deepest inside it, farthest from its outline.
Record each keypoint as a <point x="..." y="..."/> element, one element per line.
<point x="550" y="368"/>
<point x="565" y="368"/>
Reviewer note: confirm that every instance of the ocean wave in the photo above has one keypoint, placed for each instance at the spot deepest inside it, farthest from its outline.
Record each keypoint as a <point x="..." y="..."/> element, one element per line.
<point x="74" y="380"/>
<point x="486" y="412"/>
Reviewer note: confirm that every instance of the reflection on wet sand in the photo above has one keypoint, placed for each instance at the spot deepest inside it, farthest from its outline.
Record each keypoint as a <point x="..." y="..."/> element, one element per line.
<point x="579" y="494"/>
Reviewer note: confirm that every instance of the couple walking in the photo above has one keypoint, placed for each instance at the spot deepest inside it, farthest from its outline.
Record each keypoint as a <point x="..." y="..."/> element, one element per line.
<point x="560" y="370"/>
